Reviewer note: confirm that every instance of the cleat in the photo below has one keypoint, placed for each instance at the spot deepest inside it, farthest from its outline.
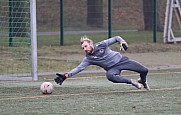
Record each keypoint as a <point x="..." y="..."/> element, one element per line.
<point x="135" y="83"/>
<point x="145" y="85"/>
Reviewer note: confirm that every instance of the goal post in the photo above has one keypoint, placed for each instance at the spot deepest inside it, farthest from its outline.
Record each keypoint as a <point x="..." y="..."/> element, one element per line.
<point x="172" y="24"/>
<point x="18" y="40"/>
<point x="33" y="39"/>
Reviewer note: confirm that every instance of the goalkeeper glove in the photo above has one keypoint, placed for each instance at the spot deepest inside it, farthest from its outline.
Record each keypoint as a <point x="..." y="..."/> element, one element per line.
<point x="123" y="46"/>
<point x="59" y="80"/>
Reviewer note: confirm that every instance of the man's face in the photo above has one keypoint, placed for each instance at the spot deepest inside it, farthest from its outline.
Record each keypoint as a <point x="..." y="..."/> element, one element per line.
<point x="87" y="47"/>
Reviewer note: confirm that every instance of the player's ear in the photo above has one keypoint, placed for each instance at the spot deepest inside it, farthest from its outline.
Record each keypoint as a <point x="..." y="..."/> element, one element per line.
<point x="91" y="44"/>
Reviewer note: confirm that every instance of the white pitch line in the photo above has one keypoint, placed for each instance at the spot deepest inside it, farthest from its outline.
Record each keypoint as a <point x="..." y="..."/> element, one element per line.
<point x="87" y="93"/>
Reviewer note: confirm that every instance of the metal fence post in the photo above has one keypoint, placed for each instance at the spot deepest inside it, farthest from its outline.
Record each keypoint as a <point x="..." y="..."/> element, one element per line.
<point x="61" y="22"/>
<point x="155" y="22"/>
<point x="110" y="18"/>
<point x="11" y="23"/>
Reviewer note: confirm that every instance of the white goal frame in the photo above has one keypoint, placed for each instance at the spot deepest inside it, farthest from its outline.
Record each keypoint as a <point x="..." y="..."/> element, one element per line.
<point x="173" y="6"/>
<point x="33" y="75"/>
<point x="33" y="39"/>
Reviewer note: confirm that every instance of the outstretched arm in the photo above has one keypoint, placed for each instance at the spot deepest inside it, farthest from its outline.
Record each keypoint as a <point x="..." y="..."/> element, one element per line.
<point x="79" y="68"/>
<point x="120" y="40"/>
<point x="61" y="77"/>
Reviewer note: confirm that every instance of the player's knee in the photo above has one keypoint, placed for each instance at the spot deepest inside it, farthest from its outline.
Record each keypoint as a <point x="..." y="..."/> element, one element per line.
<point x="111" y="77"/>
<point x="108" y="75"/>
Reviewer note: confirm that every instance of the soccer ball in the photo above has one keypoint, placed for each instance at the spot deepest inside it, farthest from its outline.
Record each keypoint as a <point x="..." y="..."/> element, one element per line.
<point x="46" y="88"/>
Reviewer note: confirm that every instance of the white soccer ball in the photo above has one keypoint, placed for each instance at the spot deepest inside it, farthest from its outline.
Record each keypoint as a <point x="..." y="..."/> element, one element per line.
<point x="46" y="88"/>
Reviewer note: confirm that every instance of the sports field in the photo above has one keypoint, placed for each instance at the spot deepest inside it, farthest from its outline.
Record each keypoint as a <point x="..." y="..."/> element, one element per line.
<point x="94" y="94"/>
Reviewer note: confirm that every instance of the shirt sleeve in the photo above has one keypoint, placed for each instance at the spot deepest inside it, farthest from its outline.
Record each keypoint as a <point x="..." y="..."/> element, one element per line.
<point x="113" y="40"/>
<point x="80" y="67"/>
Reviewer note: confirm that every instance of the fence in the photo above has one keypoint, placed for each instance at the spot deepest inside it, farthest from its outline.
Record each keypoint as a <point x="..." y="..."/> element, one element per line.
<point x="92" y="16"/>
<point x="18" y="39"/>
<point x="62" y="22"/>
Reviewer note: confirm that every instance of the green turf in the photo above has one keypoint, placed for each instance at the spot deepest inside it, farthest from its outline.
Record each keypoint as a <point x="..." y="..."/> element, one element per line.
<point x="90" y="95"/>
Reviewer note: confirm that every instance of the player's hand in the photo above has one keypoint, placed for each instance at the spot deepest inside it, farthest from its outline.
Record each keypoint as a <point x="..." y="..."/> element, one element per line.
<point x="61" y="77"/>
<point x="123" y="46"/>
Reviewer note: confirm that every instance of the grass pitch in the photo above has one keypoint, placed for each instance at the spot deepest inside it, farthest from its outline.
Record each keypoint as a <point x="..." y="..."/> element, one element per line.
<point x="94" y="95"/>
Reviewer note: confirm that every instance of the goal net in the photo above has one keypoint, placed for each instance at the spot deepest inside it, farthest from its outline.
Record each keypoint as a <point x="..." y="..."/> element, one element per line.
<point x="17" y="41"/>
<point x="172" y="26"/>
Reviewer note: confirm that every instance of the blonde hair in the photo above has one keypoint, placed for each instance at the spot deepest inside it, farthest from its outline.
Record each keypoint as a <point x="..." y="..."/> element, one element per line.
<point x="85" y="38"/>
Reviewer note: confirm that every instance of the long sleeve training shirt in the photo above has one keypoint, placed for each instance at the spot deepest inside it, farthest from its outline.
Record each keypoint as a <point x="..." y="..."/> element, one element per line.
<point x="101" y="56"/>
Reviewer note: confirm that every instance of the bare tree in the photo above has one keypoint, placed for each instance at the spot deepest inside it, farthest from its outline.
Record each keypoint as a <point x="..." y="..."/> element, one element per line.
<point x="95" y="13"/>
<point x="148" y="12"/>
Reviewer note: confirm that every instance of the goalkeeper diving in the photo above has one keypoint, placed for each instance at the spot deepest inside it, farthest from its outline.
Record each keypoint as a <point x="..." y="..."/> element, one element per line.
<point x="111" y="61"/>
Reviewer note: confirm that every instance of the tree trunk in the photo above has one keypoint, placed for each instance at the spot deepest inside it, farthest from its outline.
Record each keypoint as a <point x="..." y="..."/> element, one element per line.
<point x="95" y="13"/>
<point x="148" y="8"/>
<point x="148" y="14"/>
